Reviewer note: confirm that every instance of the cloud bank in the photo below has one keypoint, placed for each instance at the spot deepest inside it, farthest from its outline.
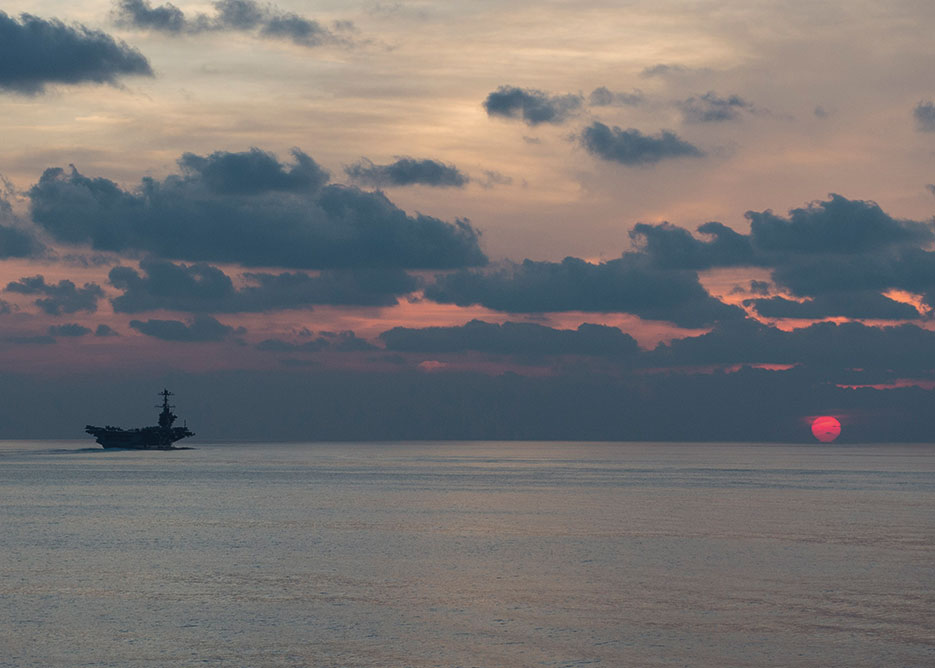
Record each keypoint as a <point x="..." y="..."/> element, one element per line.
<point x="512" y="338"/>
<point x="200" y="329"/>
<point x="206" y="289"/>
<point x="63" y="297"/>
<point x="626" y="285"/>
<point x="249" y="208"/>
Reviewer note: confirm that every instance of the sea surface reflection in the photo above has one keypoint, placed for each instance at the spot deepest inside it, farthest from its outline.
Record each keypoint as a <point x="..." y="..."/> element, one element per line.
<point x="467" y="554"/>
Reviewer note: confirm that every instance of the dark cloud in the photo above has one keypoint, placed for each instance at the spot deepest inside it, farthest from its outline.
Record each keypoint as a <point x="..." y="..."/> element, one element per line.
<point x="930" y="187"/>
<point x="281" y="346"/>
<point x="35" y="52"/>
<point x="603" y="97"/>
<point x="253" y="172"/>
<point x="343" y="342"/>
<point x="925" y="116"/>
<point x="710" y="108"/>
<point x="627" y="285"/>
<point x="759" y="287"/>
<point x="407" y="172"/>
<point x="70" y="330"/>
<point x="865" y="304"/>
<point x="530" y="105"/>
<point x="63" y="297"/>
<point x="838" y="225"/>
<point x="201" y="328"/>
<point x="632" y="147"/>
<point x="264" y="21"/>
<point x="847" y="252"/>
<point x="835" y="227"/>
<point x="17" y="242"/>
<point x="512" y="338"/>
<point x="912" y="270"/>
<point x="141" y="14"/>
<point x="205" y="288"/>
<point x="673" y="247"/>
<point x="905" y="349"/>
<point x="241" y="208"/>
<point x="38" y="339"/>
<point x="297" y="29"/>
<point x="105" y="330"/>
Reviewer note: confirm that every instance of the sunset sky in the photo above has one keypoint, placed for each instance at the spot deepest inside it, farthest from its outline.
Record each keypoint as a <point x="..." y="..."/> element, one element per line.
<point x="577" y="220"/>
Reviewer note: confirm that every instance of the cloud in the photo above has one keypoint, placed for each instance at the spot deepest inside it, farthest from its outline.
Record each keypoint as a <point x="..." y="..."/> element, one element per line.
<point x="201" y="328"/>
<point x="494" y="178"/>
<point x="674" y="247"/>
<point x="627" y="285"/>
<point x="835" y="227"/>
<point x="710" y="108"/>
<point x="407" y="172"/>
<point x="663" y="70"/>
<point x="845" y="251"/>
<point x="253" y="172"/>
<point x="603" y="97"/>
<point x="346" y="341"/>
<point x="37" y="339"/>
<point x="912" y="270"/>
<point x="865" y="304"/>
<point x="531" y="106"/>
<point x="838" y="225"/>
<point x="925" y="116"/>
<point x="105" y="330"/>
<point x="204" y="288"/>
<point x="825" y="345"/>
<point x="243" y="208"/>
<point x="512" y="338"/>
<point x="632" y="147"/>
<point x="263" y="21"/>
<point x="63" y="297"/>
<point x="759" y="287"/>
<point x="70" y="330"/>
<point x="17" y="242"/>
<point x="930" y="187"/>
<point x="35" y="52"/>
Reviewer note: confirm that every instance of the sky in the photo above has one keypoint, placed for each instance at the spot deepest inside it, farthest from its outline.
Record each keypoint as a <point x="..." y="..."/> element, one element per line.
<point x="594" y="220"/>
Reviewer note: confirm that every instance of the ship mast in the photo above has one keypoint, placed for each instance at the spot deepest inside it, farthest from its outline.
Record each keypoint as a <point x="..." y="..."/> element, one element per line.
<point x="166" y="417"/>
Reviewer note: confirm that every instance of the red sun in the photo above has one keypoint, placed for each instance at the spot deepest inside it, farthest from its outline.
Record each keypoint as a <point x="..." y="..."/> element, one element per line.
<point x="826" y="428"/>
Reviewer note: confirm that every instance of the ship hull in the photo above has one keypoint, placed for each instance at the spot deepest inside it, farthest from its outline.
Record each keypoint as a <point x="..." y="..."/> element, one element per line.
<point x="147" y="438"/>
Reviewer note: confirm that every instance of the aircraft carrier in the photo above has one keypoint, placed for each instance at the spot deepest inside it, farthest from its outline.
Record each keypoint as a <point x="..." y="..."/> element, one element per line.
<point x="157" y="437"/>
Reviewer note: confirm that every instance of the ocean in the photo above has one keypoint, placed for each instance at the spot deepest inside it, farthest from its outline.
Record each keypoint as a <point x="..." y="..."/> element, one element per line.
<point x="492" y="554"/>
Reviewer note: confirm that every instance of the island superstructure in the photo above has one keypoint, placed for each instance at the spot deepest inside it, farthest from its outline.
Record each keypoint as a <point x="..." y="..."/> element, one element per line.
<point x="158" y="437"/>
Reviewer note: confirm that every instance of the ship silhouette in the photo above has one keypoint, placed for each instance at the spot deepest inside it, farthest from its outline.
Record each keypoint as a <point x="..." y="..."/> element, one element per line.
<point x="157" y="437"/>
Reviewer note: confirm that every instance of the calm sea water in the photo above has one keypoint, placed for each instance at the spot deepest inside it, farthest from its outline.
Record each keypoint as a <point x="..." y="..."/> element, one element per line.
<point x="467" y="554"/>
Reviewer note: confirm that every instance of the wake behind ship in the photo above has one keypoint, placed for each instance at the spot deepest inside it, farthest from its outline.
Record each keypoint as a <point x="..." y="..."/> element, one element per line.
<point x="159" y="437"/>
